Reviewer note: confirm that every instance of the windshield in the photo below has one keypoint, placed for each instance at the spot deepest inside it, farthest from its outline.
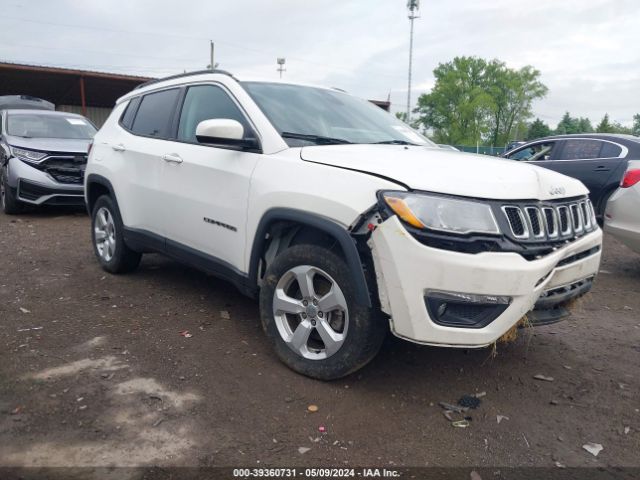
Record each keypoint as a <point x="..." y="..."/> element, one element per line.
<point x="35" y="125"/>
<point x="310" y="115"/>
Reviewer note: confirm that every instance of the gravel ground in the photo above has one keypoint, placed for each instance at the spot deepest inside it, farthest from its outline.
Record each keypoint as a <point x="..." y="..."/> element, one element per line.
<point x="94" y="371"/>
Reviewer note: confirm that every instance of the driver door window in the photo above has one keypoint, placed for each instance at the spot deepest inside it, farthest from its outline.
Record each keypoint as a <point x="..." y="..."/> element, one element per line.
<point x="534" y="153"/>
<point x="205" y="102"/>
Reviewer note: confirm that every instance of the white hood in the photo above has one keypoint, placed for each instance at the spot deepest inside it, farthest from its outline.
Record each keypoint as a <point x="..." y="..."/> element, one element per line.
<point x="441" y="171"/>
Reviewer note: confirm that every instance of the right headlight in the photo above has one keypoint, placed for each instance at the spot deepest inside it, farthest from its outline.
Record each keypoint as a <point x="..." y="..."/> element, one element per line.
<point x="30" y="156"/>
<point x="442" y="213"/>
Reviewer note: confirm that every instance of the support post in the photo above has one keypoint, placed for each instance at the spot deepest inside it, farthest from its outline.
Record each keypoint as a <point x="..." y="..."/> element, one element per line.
<point x="83" y="99"/>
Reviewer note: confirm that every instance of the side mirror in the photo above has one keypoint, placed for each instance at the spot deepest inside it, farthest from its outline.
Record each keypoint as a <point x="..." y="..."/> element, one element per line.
<point x="219" y="130"/>
<point x="225" y="131"/>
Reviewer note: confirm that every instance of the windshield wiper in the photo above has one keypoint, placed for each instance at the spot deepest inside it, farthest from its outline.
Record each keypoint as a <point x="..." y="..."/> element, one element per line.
<point x="318" y="139"/>
<point x="394" y="142"/>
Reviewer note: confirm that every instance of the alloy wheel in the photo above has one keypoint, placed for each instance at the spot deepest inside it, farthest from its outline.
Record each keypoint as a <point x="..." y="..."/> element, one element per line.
<point x="310" y="312"/>
<point x="104" y="234"/>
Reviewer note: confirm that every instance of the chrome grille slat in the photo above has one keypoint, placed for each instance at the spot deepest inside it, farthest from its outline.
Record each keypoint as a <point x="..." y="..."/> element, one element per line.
<point x="517" y="222"/>
<point x="564" y="220"/>
<point x="586" y="216"/>
<point x="535" y="222"/>
<point x="549" y="220"/>
<point x="576" y="218"/>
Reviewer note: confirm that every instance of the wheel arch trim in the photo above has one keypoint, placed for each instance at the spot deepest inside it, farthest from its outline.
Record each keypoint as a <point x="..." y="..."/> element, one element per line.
<point x="330" y="227"/>
<point x="94" y="178"/>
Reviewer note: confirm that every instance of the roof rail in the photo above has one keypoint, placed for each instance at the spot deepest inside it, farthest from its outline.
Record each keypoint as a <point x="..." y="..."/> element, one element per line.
<point x="180" y="75"/>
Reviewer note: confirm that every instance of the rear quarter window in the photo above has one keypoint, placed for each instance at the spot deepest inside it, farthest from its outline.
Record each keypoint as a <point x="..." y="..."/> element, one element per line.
<point x="610" y="150"/>
<point x="126" y="120"/>
<point x="154" y="114"/>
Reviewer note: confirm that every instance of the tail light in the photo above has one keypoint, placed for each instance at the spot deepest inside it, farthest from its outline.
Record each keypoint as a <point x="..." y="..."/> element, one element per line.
<point x="631" y="177"/>
<point x="89" y="148"/>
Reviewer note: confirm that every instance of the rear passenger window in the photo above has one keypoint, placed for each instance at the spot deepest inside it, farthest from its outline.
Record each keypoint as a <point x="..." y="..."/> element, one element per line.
<point x="205" y="102"/>
<point x="127" y="117"/>
<point x="610" y="150"/>
<point x="155" y="113"/>
<point x="581" y="149"/>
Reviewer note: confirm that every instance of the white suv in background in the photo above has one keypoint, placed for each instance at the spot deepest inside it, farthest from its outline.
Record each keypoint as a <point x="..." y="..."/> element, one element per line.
<point x="341" y="219"/>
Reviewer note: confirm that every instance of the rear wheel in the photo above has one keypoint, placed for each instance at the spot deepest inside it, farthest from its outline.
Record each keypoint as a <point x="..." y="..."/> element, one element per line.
<point x="107" y="233"/>
<point x="8" y="196"/>
<point x="309" y="312"/>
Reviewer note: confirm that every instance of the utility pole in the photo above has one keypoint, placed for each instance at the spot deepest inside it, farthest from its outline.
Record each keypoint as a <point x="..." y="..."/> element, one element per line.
<point x="212" y="65"/>
<point x="281" y="61"/>
<point x="413" y="6"/>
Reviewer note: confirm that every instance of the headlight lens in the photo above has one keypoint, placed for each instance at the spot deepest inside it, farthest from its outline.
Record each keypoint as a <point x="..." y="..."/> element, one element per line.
<point x="27" y="155"/>
<point x="442" y="213"/>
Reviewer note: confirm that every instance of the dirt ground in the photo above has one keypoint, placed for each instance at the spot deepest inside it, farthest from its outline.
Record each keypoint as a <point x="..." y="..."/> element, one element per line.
<point x="94" y="371"/>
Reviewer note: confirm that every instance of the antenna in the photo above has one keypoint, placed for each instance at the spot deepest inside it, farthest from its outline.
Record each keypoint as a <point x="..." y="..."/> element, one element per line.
<point x="413" y="6"/>
<point x="281" y="61"/>
<point x="212" y="65"/>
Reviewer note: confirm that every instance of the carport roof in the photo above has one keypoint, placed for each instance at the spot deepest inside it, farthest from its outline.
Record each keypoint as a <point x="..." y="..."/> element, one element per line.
<point x="64" y="86"/>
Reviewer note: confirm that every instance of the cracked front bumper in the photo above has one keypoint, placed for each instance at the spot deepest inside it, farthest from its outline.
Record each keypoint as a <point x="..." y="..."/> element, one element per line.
<point x="38" y="188"/>
<point x="406" y="270"/>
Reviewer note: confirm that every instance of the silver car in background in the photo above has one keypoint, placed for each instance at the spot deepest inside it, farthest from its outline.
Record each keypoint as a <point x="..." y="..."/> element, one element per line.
<point x="43" y="155"/>
<point x="622" y="216"/>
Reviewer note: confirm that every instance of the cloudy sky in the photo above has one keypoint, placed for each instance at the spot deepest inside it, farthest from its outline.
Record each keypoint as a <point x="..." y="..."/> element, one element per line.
<point x="587" y="50"/>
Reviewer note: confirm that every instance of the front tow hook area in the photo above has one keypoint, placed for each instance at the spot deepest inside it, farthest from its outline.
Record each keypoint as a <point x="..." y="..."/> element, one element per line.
<point x="553" y="304"/>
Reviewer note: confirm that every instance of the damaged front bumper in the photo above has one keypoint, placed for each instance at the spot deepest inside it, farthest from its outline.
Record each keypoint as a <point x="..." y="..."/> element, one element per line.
<point x="40" y="186"/>
<point x="448" y="298"/>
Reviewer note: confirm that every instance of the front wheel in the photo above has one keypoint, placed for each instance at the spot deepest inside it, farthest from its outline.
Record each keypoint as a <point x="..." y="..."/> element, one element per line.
<point x="8" y="197"/>
<point x="107" y="233"/>
<point x="309" y="311"/>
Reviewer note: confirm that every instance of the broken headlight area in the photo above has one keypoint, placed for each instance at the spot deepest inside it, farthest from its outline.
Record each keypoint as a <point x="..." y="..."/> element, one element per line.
<point x="475" y="226"/>
<point x="442" y="213"/>
<point x="464" y="310"/>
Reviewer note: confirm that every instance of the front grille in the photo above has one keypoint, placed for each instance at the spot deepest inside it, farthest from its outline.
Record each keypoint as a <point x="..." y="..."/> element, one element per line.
<point x="66" y="169"/>
<point x="541" y="221"/>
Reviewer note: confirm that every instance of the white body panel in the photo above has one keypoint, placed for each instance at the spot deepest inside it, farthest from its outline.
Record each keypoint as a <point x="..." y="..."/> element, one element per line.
<point x="445" y="171"/>
<point x="213" y="184"/>
<point x="622" y="216"/>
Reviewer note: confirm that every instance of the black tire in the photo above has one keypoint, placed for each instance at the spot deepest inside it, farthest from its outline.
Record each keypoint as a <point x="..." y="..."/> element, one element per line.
<point x="8" y="196"/>
<point x="123" y="259"/>
<point x="366" y="327"/>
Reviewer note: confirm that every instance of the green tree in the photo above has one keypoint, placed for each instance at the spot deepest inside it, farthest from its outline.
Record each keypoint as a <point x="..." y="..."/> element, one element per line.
<point x="538" y="129"/>
<point x="415" y="123"/>
<point x="513" y="93"/>
<point x="475" y="100"/>
<point x="584" y="125"/>
<point x="635" y="130"/>
<point x="568" y="125"/>
<point x="605" y="125"/>
<point x="459" y="105"/>
<point x="619" y="128"/>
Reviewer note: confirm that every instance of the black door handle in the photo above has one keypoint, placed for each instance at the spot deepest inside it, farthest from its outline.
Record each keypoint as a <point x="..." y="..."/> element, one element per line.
<point x="602" y="168"/>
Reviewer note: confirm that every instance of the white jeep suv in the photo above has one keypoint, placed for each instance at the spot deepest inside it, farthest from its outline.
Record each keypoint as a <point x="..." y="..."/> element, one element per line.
<point x="341" y="219"/>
